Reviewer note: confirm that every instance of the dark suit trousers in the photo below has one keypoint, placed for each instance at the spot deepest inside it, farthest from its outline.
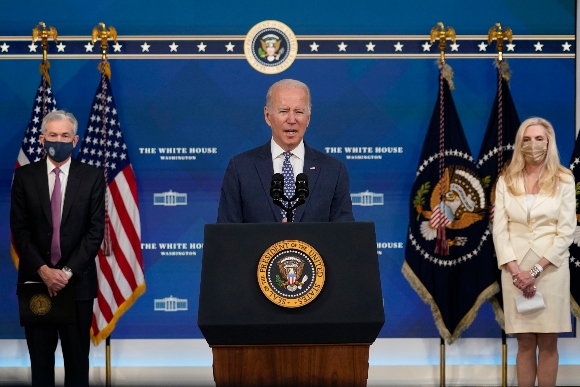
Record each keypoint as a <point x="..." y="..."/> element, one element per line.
<point x="75" y="342"/>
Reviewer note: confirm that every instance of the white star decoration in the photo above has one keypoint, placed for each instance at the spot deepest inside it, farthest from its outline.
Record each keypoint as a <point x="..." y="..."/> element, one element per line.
<point x="538" y="46"/>
<point x="4" y="47"/>
<point x="492" y="152"/>
<point x="230" y="47"/>
<point x="449" y="262"/>
<point x="117" y="47"/>
<point x="448" y="152"/>
<point x="145" y="47"/>
<point x="510" y="46"/>
<point x="60" y="47"/>
<point x="201" y="47"/>
<point x="89" y="47"/>
<point x="482" y="46"/>
<point x="32" y="47"/>
<point x="342" y="47"/>
<point x="426" y="46"/>
<point x="398" y="46"/>
<point x="454" y="47"/>
<point x="173" y="47"/>
<point x="371" y="46"/>
<point x="566" y="46"/>
<point x="314" y="47"/>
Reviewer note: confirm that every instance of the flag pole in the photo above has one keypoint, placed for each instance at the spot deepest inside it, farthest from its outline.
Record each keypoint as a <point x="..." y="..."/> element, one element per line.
<point x="439" y="32"/>
<point x="497" y="33"/>
<point x="108" y="360"/>
<point x="103" y="34"/>
<point x="503" y="359"/>
<point x="442" y="363"/>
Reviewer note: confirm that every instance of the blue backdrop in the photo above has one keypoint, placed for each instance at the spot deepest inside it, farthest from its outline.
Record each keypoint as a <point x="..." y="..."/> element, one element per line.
<point x="184" y="118"/>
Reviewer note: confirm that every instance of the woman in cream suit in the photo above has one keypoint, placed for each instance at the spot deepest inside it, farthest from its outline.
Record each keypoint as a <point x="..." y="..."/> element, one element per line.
<point x="535" y="217"/>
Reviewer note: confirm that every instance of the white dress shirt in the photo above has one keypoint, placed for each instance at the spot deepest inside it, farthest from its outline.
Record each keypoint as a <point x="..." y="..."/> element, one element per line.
<point x="297" y="158"/>
<point x="63" y="175"/>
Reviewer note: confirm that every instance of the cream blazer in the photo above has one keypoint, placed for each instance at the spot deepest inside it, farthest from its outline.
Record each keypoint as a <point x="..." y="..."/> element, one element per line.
<point x="547" y="229"/>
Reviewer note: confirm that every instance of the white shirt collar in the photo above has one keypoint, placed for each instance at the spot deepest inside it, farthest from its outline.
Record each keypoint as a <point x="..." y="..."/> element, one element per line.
<point x="277" y="150"/>
<point x="65" y="168"/>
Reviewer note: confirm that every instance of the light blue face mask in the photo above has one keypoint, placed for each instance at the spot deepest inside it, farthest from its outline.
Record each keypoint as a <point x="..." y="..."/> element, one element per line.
<point x="58" y="151"/>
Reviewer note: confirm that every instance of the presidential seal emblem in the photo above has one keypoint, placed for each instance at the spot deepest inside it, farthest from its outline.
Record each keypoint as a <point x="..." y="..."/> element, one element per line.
<point x="270" y="47"/>
<point x="51" y="151"/>
<point x="291" y="273"/>
<point x="40" y="304"/>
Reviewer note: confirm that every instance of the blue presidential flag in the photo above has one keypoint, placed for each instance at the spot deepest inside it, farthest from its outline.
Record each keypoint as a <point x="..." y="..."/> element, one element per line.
<point x="575" y="247"/>
<point x="449" y="243"/>
<point x="496" y="152"/>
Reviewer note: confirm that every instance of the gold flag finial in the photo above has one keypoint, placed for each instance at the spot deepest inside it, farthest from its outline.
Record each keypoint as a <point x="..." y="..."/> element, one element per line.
<point x="104" y="35"/>
<point x="438" y="32"/>
<point x="40" y="32"/>
<point x="497" y="33"/>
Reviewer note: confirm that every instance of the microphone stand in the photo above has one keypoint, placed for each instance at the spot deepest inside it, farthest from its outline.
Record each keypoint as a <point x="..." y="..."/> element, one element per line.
<point x="289" y="208"/>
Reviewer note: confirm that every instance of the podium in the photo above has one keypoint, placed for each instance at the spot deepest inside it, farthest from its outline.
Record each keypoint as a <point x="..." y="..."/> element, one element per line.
<point x="256" y="341"/>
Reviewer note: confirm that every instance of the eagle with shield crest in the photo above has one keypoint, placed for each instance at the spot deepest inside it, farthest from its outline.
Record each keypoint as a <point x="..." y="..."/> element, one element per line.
<point x="290" y="271"/>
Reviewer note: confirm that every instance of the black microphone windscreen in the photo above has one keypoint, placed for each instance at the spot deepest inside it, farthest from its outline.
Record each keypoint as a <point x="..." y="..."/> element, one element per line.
<point x="277" y="186"/>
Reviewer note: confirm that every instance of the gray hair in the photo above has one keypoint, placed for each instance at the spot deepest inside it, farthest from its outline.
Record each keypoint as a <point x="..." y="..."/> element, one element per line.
<point x="288" y="84"/>
<point x="59" y="115"/>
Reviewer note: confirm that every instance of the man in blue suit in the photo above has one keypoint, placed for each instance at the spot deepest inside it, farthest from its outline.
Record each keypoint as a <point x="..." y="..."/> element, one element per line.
<point x="245" y="194"/>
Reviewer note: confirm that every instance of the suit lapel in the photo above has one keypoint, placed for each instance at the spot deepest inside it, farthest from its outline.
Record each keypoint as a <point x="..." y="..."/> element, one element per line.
<point x="521" y="199"/>
<point x="41" y="178"/>
<point x="72" y="187"/>
<point x="540" y="199"/>
<point x="265" y="170"/>
<point x="312" y="170"/>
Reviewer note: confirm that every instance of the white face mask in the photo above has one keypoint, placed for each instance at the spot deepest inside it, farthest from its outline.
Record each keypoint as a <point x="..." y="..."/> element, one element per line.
<point x="535" y="151"/>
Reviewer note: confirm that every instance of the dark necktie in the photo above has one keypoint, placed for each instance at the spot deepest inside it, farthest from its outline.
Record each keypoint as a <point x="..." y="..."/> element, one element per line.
<point x="288" y="174"/>
<point x="55" y="210"/>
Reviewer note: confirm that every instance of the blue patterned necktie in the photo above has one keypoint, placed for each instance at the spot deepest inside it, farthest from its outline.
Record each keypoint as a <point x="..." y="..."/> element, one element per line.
<point x="288" y="174"/>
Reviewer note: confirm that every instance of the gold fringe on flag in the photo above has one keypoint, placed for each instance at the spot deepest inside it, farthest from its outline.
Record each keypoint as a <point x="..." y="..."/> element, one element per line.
<point x="449" y="337"/>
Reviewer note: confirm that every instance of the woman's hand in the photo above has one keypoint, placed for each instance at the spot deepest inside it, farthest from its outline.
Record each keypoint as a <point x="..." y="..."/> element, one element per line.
<point x="523" y="280"/>
<point x="530" y="291"/>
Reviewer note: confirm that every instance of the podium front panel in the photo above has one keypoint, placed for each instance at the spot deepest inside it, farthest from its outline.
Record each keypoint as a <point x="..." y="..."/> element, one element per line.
<point x="233" y="310"/>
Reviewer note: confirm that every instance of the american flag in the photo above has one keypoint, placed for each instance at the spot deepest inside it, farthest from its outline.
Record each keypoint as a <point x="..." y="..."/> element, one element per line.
<point x="119" y="263"/>
<point x="31" y="149"/>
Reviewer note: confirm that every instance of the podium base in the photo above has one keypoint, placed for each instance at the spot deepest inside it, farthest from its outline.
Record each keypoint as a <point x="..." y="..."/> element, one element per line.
<point x="291" y="365"/>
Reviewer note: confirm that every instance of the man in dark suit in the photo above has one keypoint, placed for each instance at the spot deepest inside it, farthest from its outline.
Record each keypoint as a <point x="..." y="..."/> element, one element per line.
<point x="61" y="256"/>
<point x="245" y="194"/>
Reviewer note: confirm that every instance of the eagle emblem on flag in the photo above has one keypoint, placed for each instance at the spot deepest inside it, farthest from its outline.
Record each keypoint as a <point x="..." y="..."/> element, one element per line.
<point x="457" y="201"/>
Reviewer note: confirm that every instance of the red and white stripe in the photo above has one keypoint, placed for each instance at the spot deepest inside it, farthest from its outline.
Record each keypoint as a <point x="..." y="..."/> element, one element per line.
<point x="121" y="278"/>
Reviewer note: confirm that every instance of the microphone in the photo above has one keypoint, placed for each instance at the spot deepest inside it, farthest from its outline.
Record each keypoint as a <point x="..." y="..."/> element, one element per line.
<point x="302" y="186"/>
<point x="277" y="186"/>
